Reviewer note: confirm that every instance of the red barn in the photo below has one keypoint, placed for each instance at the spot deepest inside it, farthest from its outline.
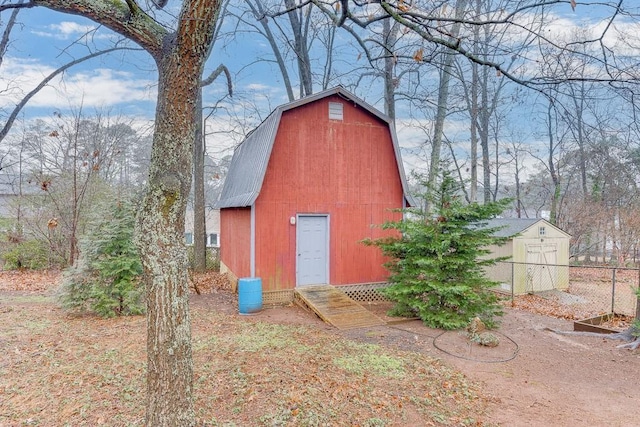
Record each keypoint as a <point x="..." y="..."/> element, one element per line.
<point x="305" y="188"/>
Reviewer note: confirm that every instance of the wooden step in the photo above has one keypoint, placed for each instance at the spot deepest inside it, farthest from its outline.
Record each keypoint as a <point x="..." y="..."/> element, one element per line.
<point x="335" y="307"/>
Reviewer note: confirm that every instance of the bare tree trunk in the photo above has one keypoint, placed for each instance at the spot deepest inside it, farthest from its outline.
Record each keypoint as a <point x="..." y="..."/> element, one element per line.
<point x="4" y="40"/>
<point x="199" y="148"/>
<point x="180" y="55"/>
<point x="160" y="222"/>
<point x="438" y="129"/>
<point x="390" y="35"/>
<point x="518" y="196"/>
<point x="260" y="14"/>
<point x="296" y="17"/>
<point x="473" y="191"/>
<point x="514" y="153"/>
<point x="484" y="136"/>
<point x="579" y="100"/>
<point x="555" y="179"/>
<point x="498" y="163"/>
<point x="199" y="220"/>
<point x="443" y="95"/>
<point x="73" y="241"/>
<point x="160" y="229"/>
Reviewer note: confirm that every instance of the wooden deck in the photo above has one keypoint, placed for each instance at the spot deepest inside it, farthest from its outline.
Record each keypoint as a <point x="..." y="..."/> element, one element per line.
<point x="336" y="308"/>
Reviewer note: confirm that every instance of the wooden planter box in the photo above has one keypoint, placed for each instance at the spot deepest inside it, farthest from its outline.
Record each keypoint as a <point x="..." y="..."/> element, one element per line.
<point x="594" y="324"/>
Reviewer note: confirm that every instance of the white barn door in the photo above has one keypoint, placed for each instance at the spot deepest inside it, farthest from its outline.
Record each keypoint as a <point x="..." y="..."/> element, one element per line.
<point x="312" y="250"/>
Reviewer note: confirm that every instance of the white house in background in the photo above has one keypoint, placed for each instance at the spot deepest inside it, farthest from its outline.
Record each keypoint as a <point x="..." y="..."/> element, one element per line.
<point x="212" y="217"/>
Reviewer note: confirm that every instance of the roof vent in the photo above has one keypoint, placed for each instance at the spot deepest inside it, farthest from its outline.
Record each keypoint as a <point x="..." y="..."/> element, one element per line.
<point x="335" y="111"/>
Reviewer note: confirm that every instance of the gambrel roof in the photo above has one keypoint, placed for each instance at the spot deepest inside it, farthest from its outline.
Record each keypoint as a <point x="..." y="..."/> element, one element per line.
<point x="250" y="159"/>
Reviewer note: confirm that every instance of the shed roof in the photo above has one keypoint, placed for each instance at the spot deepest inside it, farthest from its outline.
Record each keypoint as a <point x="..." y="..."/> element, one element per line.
<point x="512" y="226"/>
<point x="250" y="159"/>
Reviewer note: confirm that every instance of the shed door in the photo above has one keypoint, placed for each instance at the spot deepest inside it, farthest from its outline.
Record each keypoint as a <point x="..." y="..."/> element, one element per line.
<point x="541" y="267"/>
<point x="312" y="244"/>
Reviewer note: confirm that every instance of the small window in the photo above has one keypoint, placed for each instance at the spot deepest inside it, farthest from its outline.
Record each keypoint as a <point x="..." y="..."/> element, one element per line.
<point x="188" y="238"/>
<point x="542" y="231"/>
<point x="335" y="111"/>
<point x="213" y="239"/>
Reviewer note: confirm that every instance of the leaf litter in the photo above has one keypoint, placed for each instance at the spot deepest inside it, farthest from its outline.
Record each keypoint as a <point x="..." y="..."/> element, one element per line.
<point x="63" y="370"/>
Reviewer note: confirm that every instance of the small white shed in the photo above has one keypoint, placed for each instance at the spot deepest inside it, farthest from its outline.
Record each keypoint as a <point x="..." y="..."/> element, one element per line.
<point x="539" y="255"/>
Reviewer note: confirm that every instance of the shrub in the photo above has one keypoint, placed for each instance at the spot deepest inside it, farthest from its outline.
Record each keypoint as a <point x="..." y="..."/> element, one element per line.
<point x="438" y="257"/>
<point x="106" y="279"/>
<point x="31" y="254"/>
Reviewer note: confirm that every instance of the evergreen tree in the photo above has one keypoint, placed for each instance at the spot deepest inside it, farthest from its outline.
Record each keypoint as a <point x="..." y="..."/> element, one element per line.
<point x="437" y="259"/>
<point x="106" y="279"/>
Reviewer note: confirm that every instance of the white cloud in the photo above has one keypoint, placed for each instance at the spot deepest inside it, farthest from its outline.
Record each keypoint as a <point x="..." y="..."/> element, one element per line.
<point x="104" y="87"/>
<point x="101" y="87"/>
<point x="66" y="30"/>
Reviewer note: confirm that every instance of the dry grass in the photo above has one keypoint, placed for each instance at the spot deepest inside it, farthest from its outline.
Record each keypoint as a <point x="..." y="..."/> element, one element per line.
<point x="58" y="370"/>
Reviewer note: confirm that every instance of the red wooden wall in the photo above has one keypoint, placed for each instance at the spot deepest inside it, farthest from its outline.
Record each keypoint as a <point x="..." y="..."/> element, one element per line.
<point x="235" y="240"/>
<point x="346" y="169"/>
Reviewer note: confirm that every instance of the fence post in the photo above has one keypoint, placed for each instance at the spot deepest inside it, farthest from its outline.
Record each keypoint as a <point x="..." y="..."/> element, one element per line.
<point x="513" y="283"/>
<point x="613" y="291"/>
<point x="638" y="297"/>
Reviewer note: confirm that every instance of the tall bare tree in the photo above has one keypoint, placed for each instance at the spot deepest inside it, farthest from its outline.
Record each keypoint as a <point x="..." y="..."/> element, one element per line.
<point x="443" y="96"/>
<point x="199" y="152"/>
<point x="291" y="41"/>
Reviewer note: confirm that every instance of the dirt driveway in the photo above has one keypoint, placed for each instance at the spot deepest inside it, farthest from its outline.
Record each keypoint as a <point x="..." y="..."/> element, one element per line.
<point x="535" y="377"/>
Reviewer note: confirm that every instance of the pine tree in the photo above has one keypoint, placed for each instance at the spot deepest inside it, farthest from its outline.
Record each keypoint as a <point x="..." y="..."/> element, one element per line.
<point x="437" y="260"/>
<point x="106" y="279"/>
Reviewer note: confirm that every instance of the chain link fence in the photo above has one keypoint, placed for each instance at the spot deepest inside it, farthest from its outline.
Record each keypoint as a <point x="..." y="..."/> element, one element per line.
<point x="585" y="291"/>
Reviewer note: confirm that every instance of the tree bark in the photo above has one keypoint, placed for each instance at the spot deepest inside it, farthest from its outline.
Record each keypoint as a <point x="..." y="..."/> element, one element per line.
<point x="180" y="58"/>
<point x="579" y="101"/>
<point x="443" y="98"/>
<point x="300" y="47"/>
<point x="484" y="135"/>
<point x="390" y="37"/>
<point x="160" y="229"/>
<point x="199" y="220"/>
<point x="473" y="191"/>
<point x="555" y="179"/>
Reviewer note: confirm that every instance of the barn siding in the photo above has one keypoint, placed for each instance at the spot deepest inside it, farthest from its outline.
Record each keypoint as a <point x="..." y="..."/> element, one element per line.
<point x="346" y="169"/>
<point x="235" y="240"/>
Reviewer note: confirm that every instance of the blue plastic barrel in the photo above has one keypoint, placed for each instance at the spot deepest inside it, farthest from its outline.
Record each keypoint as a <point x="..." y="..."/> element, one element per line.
<point x="250" y="295"/>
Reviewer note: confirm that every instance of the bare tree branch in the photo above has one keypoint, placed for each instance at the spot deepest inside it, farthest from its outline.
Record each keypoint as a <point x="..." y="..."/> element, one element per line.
<point x="113" y="14"/>
<point x="4" y="42"/>
<point x="214" y="75"/>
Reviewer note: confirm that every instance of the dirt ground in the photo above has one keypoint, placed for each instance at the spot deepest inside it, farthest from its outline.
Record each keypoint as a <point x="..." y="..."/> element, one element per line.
<point x="534" y="377"/>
